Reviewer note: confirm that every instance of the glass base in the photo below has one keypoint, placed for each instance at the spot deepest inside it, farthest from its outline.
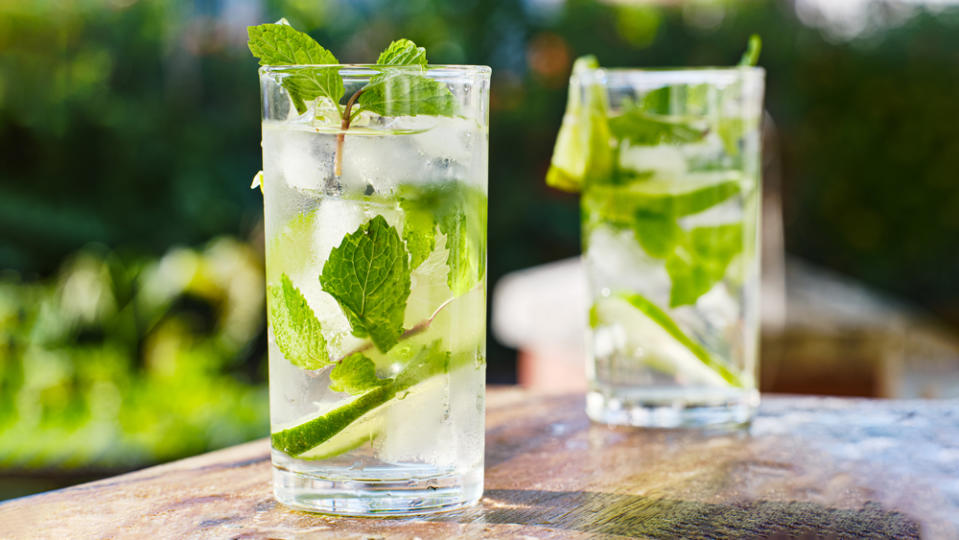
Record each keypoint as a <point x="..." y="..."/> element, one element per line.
<point x="344" y="496"/>
<point x="672" y="408"/>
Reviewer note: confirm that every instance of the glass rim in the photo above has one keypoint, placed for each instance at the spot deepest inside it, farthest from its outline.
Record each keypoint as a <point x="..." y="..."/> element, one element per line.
<point x="376" y="68"/>
<point x="675" y="75"/>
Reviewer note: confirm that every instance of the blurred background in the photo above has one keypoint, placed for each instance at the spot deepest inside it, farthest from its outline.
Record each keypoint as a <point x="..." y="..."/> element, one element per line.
<point x="132" y="326"/>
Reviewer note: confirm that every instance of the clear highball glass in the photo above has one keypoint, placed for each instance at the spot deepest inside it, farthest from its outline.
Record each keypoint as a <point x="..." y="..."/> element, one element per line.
<point x="671" y="245"/>
<point x="376" y="288"/>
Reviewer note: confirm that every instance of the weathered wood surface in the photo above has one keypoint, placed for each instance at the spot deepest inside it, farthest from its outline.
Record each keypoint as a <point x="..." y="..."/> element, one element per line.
<point x="808" y="466"/>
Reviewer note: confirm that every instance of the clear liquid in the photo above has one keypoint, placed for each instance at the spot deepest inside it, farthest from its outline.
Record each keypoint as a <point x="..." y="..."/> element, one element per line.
<point x="647" y="367"/>
<point x="421" y="450"/>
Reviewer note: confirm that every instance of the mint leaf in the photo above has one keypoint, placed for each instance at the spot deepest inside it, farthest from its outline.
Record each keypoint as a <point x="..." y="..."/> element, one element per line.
<point x="355" y="375"/>
<point x="419" y="231"/>
<point x="620" y="205"/>
<point x="402" y="91"/>
<point x="467" y="251"/>
<point x="642" y="128"/>
<point x="462" y="218"/>
<point x="405" y="92"/>
<point x="308" y="83"/>
<point x="701" y="261"/>
<point x="751" y="56"/>
<point x="369" y="276"/>
<point x="657" y="234"/>
<point x="296" y="329"/>
<point x="459" y="211"/>
<point x="403" y="52"/>
<point x="281" y="45"/>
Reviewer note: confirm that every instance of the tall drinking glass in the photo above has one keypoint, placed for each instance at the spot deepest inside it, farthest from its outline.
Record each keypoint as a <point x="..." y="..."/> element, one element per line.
<point x="670" y="217"/>
<point x="376" y="287"/>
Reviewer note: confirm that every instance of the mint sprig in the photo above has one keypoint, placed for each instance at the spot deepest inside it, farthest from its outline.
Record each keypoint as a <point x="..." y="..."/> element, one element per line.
<point x="401" y="89"/>
<point x="369" y="276"/>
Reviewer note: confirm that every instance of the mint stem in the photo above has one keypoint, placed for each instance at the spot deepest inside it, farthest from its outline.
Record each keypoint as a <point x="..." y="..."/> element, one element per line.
<point x="412" y="331"/>
<point x="344" y="125"/>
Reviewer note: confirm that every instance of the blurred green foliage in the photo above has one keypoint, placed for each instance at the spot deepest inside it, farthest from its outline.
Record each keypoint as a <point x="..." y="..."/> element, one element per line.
<point x="112" y="364"/>
<point x="135" y="125"/>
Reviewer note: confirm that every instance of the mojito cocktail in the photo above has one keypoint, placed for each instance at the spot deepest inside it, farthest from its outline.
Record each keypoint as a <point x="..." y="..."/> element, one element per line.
<point x="668" y="166"/>
<point x="375" y="212"/>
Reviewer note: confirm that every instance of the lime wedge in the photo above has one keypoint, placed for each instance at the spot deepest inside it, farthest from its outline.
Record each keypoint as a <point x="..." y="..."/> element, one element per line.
<point x="582" y="146"/>
<point x="666" y="347"/>
<point x="323" y="430"/>
<point x="367" y="428"/>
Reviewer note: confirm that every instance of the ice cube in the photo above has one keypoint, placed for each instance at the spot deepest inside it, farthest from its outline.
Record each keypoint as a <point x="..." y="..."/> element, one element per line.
<point x="665" y="160"/>
<point x="380" y="162"/>
<point x="616" y="262"/>
<point x="418" y="427"/>
<point x="302" y="157"/>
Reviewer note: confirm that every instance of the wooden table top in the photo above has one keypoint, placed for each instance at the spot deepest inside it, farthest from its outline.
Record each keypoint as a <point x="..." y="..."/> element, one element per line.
<point x="807" y="466"/>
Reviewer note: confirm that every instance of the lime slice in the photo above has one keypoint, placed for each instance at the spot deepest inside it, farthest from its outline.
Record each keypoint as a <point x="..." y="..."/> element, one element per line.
<point x="664" y="345"/>
<point x="324" y="430"/>
<point x="365" y="430"/>
<point x="582" y="146"/>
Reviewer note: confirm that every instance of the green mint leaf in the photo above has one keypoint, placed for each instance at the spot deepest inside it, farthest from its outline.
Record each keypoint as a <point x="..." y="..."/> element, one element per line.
<point x="308" y="83"/>
<point x="281" y="45"/>
<point x="403" y="52"/>
<point x="461" y="215"/>
<point x="419" y="231"/>
<point x="701" y="261"/>
<point x="467" y="252"/>
<point x="619" y="205"/>
<point x="751" y="56"/>
<point x="657" y="234"/>
<point x="690" y="99"/>
<point x="369" y="276"/>
<point x="663" y="319"/>
<point x="403" y="91"/>
<point x="460" y="212"/>
<point x="463" y="221"/>
<point x="296" y="329"/>
<point x="642" y="128"/>
<point x="355" y="374"/>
